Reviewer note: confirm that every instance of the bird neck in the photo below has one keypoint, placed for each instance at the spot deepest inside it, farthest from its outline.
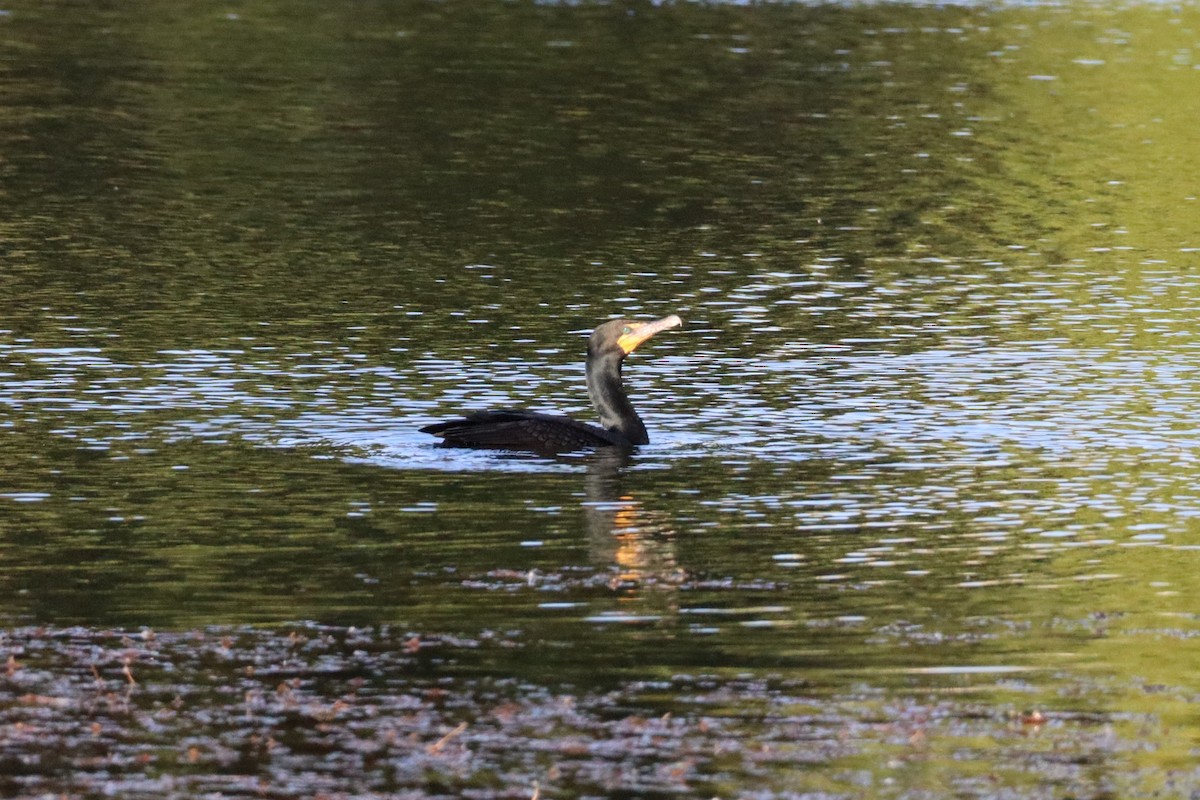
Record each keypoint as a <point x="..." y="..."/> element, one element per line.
<point x="608" y="396"/>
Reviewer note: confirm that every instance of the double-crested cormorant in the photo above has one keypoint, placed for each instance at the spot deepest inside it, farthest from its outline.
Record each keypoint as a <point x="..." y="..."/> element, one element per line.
<point x="546" y="433"/>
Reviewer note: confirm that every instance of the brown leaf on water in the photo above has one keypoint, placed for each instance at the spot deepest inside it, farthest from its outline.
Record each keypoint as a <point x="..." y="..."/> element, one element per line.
<point x="437" y="746"/>
<point x="44" y="700"/>
<point x="328" y="713"/>
<point x="679" y="770"/>
<point x="506" y="712"/>
<point x="1034" y="718"/>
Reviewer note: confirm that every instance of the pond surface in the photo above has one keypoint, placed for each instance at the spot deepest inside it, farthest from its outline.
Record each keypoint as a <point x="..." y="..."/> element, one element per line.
<point x="920" y="512"/>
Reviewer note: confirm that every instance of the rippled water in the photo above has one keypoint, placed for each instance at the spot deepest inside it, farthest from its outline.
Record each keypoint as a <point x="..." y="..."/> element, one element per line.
<point x="923" y="465"/>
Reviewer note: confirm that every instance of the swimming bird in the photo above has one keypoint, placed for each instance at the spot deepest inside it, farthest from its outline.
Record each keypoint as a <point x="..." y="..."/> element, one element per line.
<point x="620" y="425"/>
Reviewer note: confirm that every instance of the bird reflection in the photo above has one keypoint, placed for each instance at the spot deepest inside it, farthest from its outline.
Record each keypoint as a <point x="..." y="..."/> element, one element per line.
<point x="622" y="533"/>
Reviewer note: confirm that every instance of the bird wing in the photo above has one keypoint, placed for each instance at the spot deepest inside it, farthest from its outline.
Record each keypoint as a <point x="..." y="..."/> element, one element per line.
<point x="523" y="430"/>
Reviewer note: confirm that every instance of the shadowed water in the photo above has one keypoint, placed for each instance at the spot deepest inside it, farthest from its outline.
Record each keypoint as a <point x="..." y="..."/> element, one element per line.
<point x="921" y="487"/>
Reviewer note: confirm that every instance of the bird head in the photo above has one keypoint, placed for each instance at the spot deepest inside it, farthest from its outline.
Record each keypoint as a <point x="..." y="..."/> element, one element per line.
<point x="622" y="336"/>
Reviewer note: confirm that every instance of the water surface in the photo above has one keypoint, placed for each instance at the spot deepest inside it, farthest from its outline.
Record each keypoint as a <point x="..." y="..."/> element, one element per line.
<point x="922" y="480"/>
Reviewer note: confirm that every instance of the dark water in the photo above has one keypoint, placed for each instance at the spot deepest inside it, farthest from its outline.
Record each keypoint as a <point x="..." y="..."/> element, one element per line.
<point x="924" y="452"/>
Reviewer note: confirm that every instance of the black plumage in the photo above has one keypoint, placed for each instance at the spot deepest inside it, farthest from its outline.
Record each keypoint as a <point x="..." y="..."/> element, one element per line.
<point x="620" y="426"/>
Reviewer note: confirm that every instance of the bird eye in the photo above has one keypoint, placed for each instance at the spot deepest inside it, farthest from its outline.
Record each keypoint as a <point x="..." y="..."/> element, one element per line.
<point x="626" y="330"/>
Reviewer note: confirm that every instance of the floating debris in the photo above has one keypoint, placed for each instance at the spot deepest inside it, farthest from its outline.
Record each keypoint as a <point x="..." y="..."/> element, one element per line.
<point x="377" y="712"/>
